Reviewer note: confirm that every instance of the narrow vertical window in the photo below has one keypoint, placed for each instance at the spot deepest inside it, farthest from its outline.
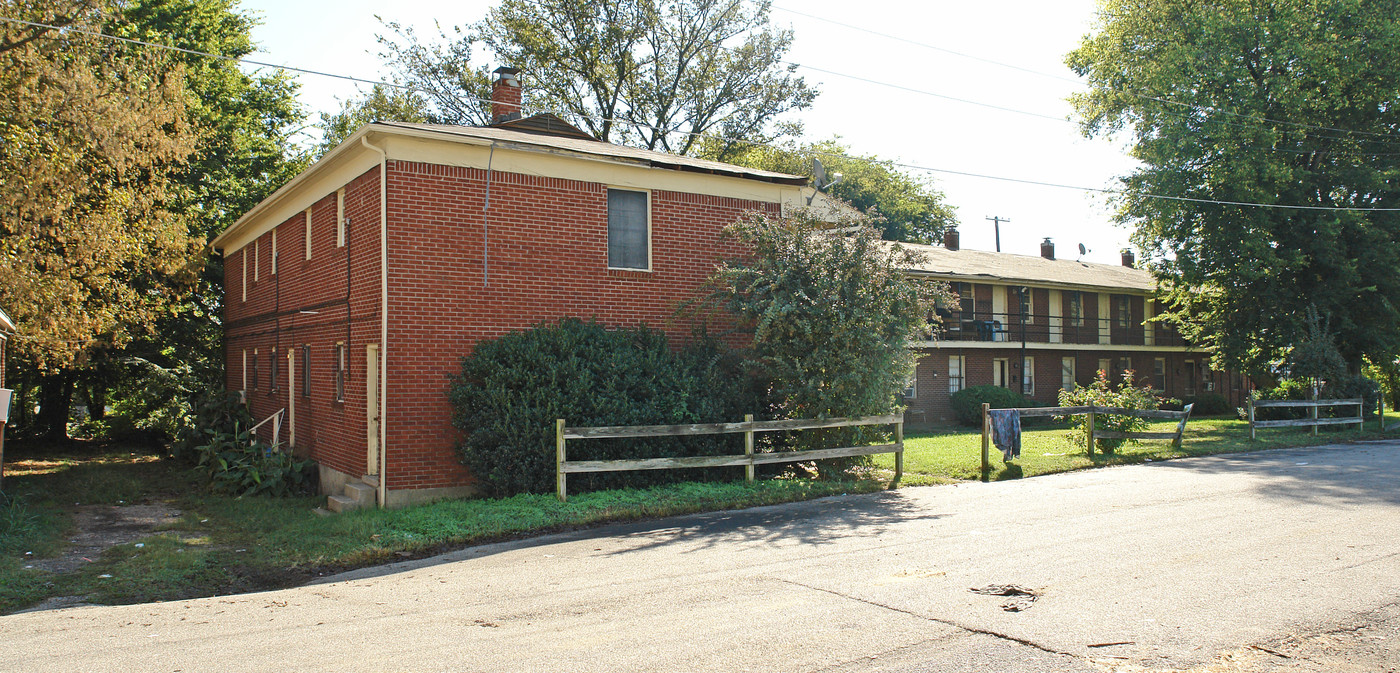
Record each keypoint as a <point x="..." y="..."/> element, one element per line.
<point x="255" y="370"/>
<point x="274" y="252"/>
<point x="1067" y="378"/>
<point x="1076" y="309"/>
<point x="1125" y="316"/>
<point x="1106" y="366"/>
<point x="257" y="259"/>
<point x="955" y="373"/>
<point x="1159" y="373"/>
<point x="244" y="256"/>
<point x="1190" y="383"/>
<point x="339" y="218"/>
<point x="340" y="372"/>
<point x="308" y="233"/>
<point x="629" y="231"/>
<point x="306" y="370"/>
<point x="275" y="383"/>
<point x="1028" y="376"/>
<point x="1125" y="364"/>
<point x="245" y="370"/>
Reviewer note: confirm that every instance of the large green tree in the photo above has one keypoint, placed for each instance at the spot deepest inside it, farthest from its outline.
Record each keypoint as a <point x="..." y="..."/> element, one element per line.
<point x="158" y="312"/>
<point x="94" y="136"/>
<point x="648" y="73"/>
<point x="910" y="208"/>
<point x="1290" y="103"/>
<point x="381" y="104"/>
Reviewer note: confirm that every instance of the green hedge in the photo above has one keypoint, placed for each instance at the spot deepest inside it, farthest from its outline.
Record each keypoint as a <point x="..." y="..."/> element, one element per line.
<point x="967" y="403"/>
<point x="511" y="390"/>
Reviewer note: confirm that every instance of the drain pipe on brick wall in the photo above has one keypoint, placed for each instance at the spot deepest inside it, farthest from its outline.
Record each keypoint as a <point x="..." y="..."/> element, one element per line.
<point x="383" y="318"/>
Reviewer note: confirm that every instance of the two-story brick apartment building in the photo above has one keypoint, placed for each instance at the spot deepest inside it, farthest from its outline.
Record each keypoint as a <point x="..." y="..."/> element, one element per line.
<point x="1042" y="324"/>
<point x="352" y="293"/>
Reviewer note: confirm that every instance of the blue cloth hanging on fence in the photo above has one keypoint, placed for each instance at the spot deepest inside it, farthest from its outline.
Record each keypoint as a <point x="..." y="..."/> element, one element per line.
<point x="1006" y="432"/>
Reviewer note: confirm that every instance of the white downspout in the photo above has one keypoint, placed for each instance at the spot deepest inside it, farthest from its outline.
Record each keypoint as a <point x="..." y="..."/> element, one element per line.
<point x="383" y="317"/>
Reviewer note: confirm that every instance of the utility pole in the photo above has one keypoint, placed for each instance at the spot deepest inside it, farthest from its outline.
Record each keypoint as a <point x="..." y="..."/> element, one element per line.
<point x="996" y="222"/>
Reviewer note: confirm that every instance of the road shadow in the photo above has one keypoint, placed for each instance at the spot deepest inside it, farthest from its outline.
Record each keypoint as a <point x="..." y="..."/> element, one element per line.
<point x="813" y="523"/>
<point x="1340" y="475"/>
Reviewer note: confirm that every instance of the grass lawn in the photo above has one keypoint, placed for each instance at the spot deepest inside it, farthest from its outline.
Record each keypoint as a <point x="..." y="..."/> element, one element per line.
<point x="940" y="455"/>
<point x="221" y="545"/>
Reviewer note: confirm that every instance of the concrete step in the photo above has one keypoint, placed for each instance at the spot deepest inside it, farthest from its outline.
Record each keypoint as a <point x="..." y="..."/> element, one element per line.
<point x="371" y="479"/>
<point x="341" y="503"/>
<point x="362" y="494"/>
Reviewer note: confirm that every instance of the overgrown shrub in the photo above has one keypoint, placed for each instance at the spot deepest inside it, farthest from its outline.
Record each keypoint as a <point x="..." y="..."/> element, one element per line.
<point x="511" y="390"/>
<point x="238" y="464"/>
<point x="967" y="403"/>
<point x="1349" y="388"/>
<point x="1104" y="394"/>
<point x="1208" y="404"/>
<point x="208" y="410"/>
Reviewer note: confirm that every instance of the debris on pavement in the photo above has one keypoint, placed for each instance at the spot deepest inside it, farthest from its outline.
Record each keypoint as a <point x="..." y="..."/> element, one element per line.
<point x="1022" y="598"/>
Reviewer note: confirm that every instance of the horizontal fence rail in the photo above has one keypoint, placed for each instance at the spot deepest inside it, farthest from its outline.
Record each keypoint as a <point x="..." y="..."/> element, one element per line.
<point x="1312" y="420"/>
<point x="1091" y="411"/>
<point x="749" y="459"/>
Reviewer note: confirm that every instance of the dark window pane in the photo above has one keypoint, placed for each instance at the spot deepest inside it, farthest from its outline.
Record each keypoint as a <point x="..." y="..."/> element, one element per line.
<point x="627" y="229"/>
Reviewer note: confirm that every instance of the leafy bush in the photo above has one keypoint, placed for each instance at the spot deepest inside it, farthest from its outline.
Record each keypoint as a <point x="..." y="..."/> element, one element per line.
<point x="1350" y="388"/>
<point x="512" y="389"/>
<point x="209" y="411"/>
<point x="1208" y="404"/>
<point x="238" y="464"/>
<point x="967" y="403"/>
<point x="1102" y="393"/>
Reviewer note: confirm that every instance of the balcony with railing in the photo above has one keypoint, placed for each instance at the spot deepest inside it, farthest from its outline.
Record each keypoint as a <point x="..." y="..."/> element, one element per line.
<point x="1046" y="329"/>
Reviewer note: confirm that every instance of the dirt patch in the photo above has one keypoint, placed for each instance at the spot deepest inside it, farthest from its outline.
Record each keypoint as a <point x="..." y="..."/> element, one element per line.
<point x="99" y="527"/>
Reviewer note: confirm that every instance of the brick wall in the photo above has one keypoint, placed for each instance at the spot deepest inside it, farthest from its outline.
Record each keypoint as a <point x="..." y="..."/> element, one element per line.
<point x="331" y="298"/>
<point x="458" y="275"/>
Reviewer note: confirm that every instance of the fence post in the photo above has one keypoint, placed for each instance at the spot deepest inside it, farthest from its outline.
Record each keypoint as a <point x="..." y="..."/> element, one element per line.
<point x="986" y="440"/>
<point x="1089" y="431"/>
<point x="1181" y="427"/>
<point x="1380" y="409"/>
<point x="560" y="478"/>
<point x="899" y="453"/>
<point x="1249" y="403"/>
<point x="748" y="449"/>
<point x="1312" y="415"/>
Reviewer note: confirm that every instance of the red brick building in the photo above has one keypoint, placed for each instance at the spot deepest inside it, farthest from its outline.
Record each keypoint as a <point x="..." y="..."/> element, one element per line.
<point x="1042" y="324"/>
<point x="353" y="292"/>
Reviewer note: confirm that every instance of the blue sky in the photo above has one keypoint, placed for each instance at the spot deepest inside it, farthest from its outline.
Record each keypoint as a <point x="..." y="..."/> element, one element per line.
<point x="892" y="122"/>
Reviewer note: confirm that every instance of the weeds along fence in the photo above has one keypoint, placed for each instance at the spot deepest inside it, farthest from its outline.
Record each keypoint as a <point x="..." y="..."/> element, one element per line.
<point x="748" y="460"/>
<point x="1312" y="420"/>
<point x="1091" y="433"/>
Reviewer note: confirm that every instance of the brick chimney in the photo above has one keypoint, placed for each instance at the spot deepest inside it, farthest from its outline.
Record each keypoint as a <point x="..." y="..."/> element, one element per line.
<point x="1129" y="260"/>
<point x="950" y="239"/>
<point x="505" y="95"/>
<point x="1047" y="249"/>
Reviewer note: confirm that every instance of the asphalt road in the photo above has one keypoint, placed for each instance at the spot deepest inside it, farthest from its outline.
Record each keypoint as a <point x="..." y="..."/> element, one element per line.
<point x="1273" y="561"/>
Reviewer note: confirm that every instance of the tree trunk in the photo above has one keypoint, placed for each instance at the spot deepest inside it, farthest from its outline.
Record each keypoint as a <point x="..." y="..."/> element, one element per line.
<point x="56" y="400"/>
<point x="96" y="394"/>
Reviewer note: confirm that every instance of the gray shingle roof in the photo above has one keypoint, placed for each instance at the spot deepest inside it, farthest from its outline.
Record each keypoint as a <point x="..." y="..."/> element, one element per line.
<point x="977" y="265"/>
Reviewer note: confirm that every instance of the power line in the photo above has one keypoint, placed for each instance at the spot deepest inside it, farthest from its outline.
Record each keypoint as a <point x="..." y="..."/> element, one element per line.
<point x="1098" y="190"/>
<point x="1260" y="121"/>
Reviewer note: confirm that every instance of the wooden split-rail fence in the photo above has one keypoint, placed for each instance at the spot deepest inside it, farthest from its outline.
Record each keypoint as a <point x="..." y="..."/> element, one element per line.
<point x="748" y="460"/>
<point x="1091" y="433"/>
<point x="1312" y="420"/>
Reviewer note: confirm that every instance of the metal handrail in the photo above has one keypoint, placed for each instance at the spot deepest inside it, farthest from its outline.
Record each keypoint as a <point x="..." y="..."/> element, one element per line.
<point x="276" y="419"/>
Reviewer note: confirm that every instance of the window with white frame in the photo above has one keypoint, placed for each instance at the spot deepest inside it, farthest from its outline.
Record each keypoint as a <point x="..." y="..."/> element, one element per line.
<point x="912" y="390"/>
<point x="1076" y="309"/>
<point x="955" y="373"/>
<point x="339" y="218"/>
<point x="308" y="233"/>
<point x="629" y="230"/>
<point x="1190" y="383"/>
<point x="1159" y="373"/>
<point x="1028" y="376"/>
<point x="254" y="385"/>
<point x="1067" y="377"/>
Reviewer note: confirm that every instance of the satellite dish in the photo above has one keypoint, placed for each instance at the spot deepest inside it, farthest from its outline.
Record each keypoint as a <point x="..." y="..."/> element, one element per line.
<point x="819" y="181"/>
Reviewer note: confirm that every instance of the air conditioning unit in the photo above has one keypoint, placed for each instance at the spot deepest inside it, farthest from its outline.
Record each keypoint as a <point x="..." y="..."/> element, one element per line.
<point x="1210" y="386"/>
